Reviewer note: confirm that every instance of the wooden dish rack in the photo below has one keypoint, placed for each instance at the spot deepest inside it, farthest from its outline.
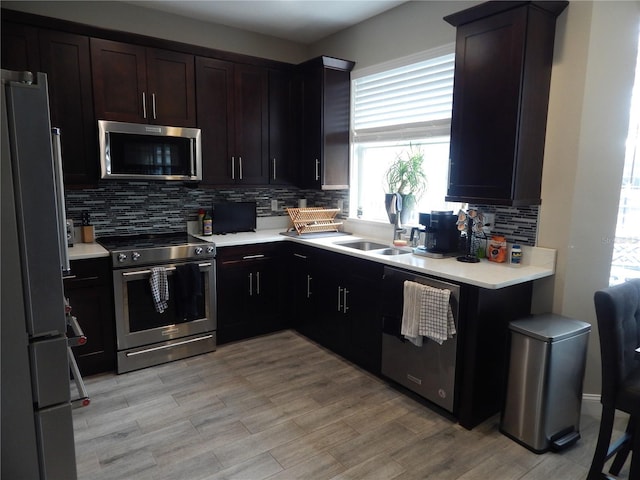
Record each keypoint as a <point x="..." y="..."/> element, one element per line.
<point x="310" y="219"/>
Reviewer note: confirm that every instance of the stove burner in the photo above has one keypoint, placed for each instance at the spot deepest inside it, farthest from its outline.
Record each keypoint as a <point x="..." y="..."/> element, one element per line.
<point x="147" y="249"/>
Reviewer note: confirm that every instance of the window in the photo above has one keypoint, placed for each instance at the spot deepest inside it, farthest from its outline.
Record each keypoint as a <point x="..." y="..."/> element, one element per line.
<point x="398" y="107"/>
<point x="626" y="248"/>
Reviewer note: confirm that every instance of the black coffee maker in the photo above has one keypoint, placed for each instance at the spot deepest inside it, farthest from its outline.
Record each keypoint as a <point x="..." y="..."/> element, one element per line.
<point x="441" y="232"/>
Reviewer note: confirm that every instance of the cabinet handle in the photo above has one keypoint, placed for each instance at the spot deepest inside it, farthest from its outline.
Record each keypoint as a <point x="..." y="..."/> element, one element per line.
<point x="240" y="160"/>
<point x="317" y="169"/>
<point x="233" y="168"/>
<point x="257" y="283"/>
<point x="144" y="105"/>
<point x="250" y="257"/>
<point x="299" y="255"/>
<point x="309" y="286"/>
<point x="153" y="105"/>
<point x="345" y="292"/>
<point x="339" y="298"/>
<point x="251" y="284"/>
<point x="274" y="168"/>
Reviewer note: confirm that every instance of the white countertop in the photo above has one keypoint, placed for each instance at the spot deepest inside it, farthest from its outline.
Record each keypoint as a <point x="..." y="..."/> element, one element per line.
<point x="538" y="262"/>
<point x="81" y="251"/>
<point x="244" y="238"/>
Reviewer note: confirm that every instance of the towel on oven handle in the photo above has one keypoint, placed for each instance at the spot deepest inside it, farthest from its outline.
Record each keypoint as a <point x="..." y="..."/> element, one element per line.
<point x="159" y="288"/>
<point x="188" y="287"/>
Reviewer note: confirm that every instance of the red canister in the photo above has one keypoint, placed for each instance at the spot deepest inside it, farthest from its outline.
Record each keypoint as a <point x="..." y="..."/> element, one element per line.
<point x="497" y="251"/>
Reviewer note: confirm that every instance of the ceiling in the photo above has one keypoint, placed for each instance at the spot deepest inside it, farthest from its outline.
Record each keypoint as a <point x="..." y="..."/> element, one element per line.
<point x="301" y="21"/>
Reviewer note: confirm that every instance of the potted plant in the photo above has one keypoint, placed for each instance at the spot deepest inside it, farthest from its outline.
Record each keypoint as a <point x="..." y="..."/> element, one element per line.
<point x="406" y="177"/>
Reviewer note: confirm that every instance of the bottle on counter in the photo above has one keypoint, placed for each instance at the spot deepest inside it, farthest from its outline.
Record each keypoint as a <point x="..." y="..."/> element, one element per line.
<point x="201" y="213"/>
<point x="515" y="258"/>
<point x="207" y="224"/>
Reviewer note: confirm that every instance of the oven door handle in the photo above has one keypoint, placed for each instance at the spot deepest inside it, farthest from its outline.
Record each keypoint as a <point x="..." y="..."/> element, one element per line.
<point x="168" y="346"/>
<point x="168" y="269"/>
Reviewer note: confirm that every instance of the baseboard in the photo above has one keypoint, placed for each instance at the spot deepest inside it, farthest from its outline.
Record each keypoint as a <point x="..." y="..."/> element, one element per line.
<point x="590" y="397"/>
<point x="591" y="404"/>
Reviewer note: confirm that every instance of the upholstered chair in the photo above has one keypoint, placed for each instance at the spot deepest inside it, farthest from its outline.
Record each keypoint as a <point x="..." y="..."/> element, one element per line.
<point x="618" y="315"/>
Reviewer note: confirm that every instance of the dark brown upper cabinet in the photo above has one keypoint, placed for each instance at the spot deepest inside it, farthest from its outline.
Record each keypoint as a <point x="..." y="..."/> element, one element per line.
<point x="504" y="53"/>
<point x="214" y="80"/>
<point x="250" y="124"/>
<point x="132" y="83"/>
<point x="66" y="60"/>
<point x="282" y="165"/>
<point x="233" y="116"/>
<point x="323" y="89"/>
<point x="20" y="47"/>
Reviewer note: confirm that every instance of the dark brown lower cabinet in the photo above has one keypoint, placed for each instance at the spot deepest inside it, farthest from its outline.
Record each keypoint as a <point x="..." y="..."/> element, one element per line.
<point x="89" y="290"/>
<point x="335" y="302"/>
<point x="248" y="291"/>
<point x="483" y="348"/>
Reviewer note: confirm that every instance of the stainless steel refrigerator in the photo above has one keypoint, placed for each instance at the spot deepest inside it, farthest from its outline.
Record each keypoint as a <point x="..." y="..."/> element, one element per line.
<point x="37" y="428"/>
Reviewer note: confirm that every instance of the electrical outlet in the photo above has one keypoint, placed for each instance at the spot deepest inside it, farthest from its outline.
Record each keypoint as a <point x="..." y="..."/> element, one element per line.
<point x="274" y="205"/>
<point x="340" y="204"/>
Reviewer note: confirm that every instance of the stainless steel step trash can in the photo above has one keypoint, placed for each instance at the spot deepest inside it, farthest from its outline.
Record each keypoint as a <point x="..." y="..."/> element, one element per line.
<point x="544" y="386"/>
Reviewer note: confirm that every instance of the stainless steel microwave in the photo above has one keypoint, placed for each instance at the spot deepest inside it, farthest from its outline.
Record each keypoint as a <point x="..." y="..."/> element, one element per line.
<point x="132" y="151"/>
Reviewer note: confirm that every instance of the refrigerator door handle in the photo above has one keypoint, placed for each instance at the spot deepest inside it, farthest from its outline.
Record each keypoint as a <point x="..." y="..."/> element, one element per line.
<point x="59" y="188"/>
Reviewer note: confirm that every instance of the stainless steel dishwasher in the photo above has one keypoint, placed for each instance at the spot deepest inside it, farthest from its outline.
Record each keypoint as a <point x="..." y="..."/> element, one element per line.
<point x="428" y="370"/>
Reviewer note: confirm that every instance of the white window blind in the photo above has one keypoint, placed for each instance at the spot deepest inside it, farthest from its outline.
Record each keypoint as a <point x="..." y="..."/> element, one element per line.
<point x="408" y="102"/>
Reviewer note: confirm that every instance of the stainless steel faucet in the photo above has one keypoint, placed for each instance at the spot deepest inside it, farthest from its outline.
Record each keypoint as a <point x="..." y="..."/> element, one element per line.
<point x="398" y="232"/>
<point x="393" y="204"/>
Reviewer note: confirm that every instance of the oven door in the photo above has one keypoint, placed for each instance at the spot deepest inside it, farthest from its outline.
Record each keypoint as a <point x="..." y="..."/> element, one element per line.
<point x="137" y="321"/>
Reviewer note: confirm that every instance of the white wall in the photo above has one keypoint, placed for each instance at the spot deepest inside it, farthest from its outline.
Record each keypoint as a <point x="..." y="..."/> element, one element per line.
<point x="412" y="27"/>
<point x="131" y="18"/>
<point x="587" y="129"/>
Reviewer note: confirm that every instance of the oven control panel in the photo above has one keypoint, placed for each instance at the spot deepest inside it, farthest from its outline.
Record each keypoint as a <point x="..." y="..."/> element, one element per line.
<point x="122" y="259"/>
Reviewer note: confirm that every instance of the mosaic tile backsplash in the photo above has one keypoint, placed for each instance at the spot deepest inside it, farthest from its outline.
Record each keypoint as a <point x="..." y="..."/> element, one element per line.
<point x="122" y="208"/>
<point x="516" y="224"/>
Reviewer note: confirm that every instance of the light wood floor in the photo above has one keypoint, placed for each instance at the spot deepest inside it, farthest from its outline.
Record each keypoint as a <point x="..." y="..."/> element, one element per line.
<point x="279" y="407"/>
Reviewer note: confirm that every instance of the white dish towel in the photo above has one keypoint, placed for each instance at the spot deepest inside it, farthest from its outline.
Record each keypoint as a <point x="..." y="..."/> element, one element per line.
<point x="411" y="307"/>
<point x="436" y="317"/>
<point x="159" y="288"/>
<point x="426" y="311"/>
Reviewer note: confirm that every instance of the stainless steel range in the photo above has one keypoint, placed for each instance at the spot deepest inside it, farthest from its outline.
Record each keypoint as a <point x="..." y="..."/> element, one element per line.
<point x="165" y="297"/>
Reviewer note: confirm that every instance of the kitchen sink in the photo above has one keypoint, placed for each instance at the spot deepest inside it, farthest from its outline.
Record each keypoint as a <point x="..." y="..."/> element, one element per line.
<point x="363" y="245"/>
<point x="391" y="251"/>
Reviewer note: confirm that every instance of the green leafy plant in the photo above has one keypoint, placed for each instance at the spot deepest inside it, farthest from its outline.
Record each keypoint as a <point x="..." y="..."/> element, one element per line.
<point x="405" y="175"/>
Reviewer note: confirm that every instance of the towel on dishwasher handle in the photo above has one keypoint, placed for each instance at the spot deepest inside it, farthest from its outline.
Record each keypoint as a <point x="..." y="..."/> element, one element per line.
<point x="159" y="288"/>
<point x="436" y="317"/>
<point x="411" y="308"/>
